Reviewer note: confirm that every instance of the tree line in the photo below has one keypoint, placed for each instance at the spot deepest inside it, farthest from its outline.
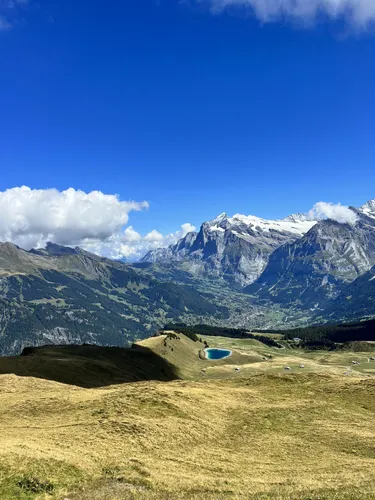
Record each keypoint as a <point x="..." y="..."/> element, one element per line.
<point x="193" y="332"/>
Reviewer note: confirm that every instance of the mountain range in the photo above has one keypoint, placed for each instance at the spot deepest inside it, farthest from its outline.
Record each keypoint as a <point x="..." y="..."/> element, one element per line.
<point x="317" y="266"/>
<point x="236" y="249"/>
<point x="239" y="271"/>
<point x="294" y="262"/>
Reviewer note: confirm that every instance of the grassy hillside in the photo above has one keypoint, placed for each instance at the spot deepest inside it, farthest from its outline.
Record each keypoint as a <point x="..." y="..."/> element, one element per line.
<point x="265" y="437"/>
<point x="89" y="366"/>
<point x="159" y="422"/>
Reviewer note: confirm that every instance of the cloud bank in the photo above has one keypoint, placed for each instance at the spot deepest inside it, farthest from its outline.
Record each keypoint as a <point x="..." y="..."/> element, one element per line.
<point x="357" y="12"/>
<point x="132" y="246"/>
<point x="337" y="212"/>
<point x="94" y="221"/>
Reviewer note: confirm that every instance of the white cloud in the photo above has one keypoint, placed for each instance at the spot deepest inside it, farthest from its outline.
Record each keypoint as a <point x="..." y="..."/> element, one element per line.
<point x="132" y="236"/>
<point x="357" y="12"/>
<point x="337" y="212"/>
<point x="154" y="237"/>
<point x="30" y="217"/>
<point x="94" y="221"/>
<point x="131" y="245"/>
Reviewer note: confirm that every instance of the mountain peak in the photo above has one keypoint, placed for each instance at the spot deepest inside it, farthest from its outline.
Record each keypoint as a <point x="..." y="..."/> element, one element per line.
<point x="53" y="249"/>
<point x="298" y="217"/>
<point x="368" y="208"/>
<point x="7" y="246"/>
<point x="223" y="216"/>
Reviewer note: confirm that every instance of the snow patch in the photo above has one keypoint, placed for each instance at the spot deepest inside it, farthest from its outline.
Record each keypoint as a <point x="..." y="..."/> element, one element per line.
<point x="295" y="224"/>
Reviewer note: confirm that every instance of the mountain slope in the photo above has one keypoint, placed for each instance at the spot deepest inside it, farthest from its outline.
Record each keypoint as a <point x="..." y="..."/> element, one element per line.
<point x="316" y="267"/>
<point x="356" y="301"/>
<point x="234" y="248"/>
<point x="61" y="295"/>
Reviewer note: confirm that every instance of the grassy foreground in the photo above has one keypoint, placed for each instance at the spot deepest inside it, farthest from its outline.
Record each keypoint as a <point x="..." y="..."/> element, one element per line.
<point x="266" y="435"/>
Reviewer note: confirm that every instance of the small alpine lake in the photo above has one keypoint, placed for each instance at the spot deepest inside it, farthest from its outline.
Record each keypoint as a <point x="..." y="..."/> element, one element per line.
<point x="214" y="354"/>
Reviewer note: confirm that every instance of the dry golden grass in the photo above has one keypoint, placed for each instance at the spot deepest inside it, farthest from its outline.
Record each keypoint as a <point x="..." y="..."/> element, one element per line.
<point x="183" y="354"/>
<point x="266" y="436"/>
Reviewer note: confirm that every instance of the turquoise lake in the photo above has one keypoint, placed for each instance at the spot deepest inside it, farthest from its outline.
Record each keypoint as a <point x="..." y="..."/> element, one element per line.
<point x="217" y="353"/>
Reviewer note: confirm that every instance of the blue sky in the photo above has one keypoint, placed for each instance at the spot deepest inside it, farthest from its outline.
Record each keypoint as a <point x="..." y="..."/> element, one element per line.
<point x="194" y="111"/>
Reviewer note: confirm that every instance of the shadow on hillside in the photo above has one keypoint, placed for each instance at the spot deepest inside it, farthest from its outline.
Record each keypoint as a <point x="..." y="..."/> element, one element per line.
<point x="89" y="366"/>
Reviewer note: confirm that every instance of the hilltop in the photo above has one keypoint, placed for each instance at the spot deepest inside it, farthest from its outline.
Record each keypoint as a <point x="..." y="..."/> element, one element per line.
<point x="165" y="357"/>
<point x="89" y="365"/>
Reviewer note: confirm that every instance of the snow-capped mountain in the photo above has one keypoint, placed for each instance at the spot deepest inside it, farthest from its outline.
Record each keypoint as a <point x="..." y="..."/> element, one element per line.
<point x="369" y="208"/>
<point x="234" y="248"/>
<point x="292" y="261"/>
<point x="319" y="265"/>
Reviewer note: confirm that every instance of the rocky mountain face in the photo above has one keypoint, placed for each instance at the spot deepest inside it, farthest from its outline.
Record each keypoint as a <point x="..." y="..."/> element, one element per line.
<point x="235" y="249"/>
<point x="356" y="301"/>
<point x="318" y="266"/>
<point x="62" y="295"/>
